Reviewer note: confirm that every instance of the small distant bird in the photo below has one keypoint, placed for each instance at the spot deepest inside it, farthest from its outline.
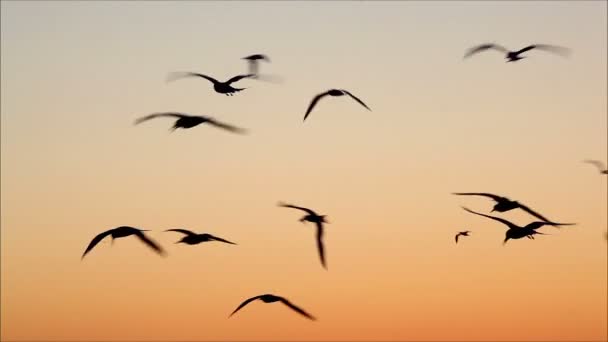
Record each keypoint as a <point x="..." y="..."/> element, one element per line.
<point x="189" y="121"/>
<point x="220" y="87"/>
<point x="269" y="298"/>
<point x="514" y="56"/>
<point x="192" y="238"/>
<point x="124" y="231"/>
<point x="517" y="232"/>
<point x="317" y="219"/>
<point x="465" y="233"/>
<point x="253" y="63"/>
<point x="503" y="204"/>
<point x="332" y="92"/>
<point x="599" y="165"/>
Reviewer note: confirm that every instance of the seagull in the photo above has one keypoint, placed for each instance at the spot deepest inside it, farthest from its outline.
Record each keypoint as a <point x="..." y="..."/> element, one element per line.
<point x="316" y="219"/>
<point x="514" y="56"/>
<point x="192" y="238"/>
<point x="253" y="63"/>
<point x="332" y="92"/>
<point x="517" y="232"/>
<point x="503" y="204"/>
<point x="269" y="298"/>
<point x="220" y="87"/>
<point x="465" y="233"/>
<point x="599" y="165"/>
<point x="124" y="231"/>
<point x="189" y="121"/>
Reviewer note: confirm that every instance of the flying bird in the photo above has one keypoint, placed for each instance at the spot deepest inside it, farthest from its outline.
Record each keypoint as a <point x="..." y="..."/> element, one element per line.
<point x="465" y="233"/>
<point x="124" y="231"/>
<point x="601" y="167"/>
<point x="332" y="92"/>
<point x="192" y="238"/>
<point x="514" y="56"/>
<point x="253" y="63"/>
<point x="220" y="87"/>
<point x="269" y="298"/>
<point x="503" y="204"/>
<point x="317" y="219"/>
<point x="189" y="121"/>
<point x="517" y="232"/>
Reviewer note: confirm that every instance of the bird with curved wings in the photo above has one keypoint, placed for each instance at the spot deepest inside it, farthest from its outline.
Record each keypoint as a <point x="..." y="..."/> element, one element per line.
<point x="503" y="203"/>
<point x="332" y="92"/>
<point x="513" y="56"/>
<point x="124" y="231"/>
<point x="219" y="87"/>
<point x="269" y="298"/>
<point x="188" y="121"/>
<point x="192" y="238"/>
<point x="465" y="233"/>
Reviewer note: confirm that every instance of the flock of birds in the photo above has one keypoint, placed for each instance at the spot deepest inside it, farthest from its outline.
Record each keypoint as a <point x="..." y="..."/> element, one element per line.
<point x="185" y="121"/>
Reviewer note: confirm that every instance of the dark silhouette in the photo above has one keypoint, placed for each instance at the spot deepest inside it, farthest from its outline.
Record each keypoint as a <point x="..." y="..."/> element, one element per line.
<point x="192" y="238"/>
<point x="253" y="63"/>
<point x="316" y="219"/>
<point x="517" y="232"/>
<point x="601" y="167"/>
<point x="503" y="204"/>
<point x="124" y="231"/>
<point x="220" y="87"/>
<point x="189" y="121"/>
<point x="514" y="56"/>
<point x="465" y="233"/>
<point x="269" y="298"/>
<point x="332" y="92"/>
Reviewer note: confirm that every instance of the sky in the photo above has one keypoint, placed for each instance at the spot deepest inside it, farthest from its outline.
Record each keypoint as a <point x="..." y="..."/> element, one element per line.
<point x="76" y="74"/>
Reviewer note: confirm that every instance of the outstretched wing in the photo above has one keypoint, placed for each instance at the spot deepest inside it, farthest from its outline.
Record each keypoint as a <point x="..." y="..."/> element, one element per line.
<point x="183" y="231"/>
<point x="313" y="103"/>
<point x="177" y="75"/>
<point x="95" y="241"/>
<point x="597" y="163"/>
<point x="227" y="127"/>
<point x="492" y="196"/>
<point x="457" y="235"/>
<point x="150" y="243"/>
<point x="238" y="78"/>
<point x="550" y="48"/>
<point x="532" y="212"/>
<point x="220" y="239"/>
<point x="320" y="243"/>
<point x="484" y="47"/>
<point x="296" y="309"/>
<point x="281" y="204"/>
<point x="356" y="99"/>
<point x="157" y="115"/>
<point x="509" y="224"/>
<point x="245" y="303"/>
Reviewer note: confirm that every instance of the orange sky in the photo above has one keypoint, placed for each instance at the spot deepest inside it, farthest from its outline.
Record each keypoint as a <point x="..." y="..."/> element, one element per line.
<point x="75" y="75"/>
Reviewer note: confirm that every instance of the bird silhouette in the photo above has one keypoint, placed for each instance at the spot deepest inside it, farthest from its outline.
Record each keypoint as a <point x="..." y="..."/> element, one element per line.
<point x="317" y="219"/>
<point x="503" y="204"/>
<point x="189" y="121"/>
<point x="254" y="64"/>
<point x="601" y="167"/>
<point x="124" y="231"/>
<point x="192" y="238"/>
<point x="514" y="56"/>
<point x="465" y="233"/>
<point x="517" y="232"/>
<point x="332" y="92"/>
<point x="269" y="298"/>
<point x="219" y="87"/>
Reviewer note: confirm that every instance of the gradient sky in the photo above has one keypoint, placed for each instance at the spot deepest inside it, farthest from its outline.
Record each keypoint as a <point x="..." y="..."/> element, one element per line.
<point x="75" y="75"/>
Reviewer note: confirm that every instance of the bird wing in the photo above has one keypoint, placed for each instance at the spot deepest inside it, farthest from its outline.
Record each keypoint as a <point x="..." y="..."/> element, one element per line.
<point x="457" y="235"/>
<point x="296" y="309"/>
<point x="532" y="212"/>
<point x="227" y="127"/>
<point x="356" y="99"/>
<point x="157" y="115"/>
<point x="597" y="163"/>
<point x="492" y="196"/>
<point x="245" y="303"/>
<point x="509" y="224"/>
<point x="150" y="243"/>
<point x="95" y="241"/>
<point x="320" y="243"/>
<point x="177" y="75"/>
<point x="551" y="48"/>
<point x="313" y="103"/>
<point x="183" y="231"/>
<point x="281" y="204"/>
<point x="484" y="47"/>
<point x="220" y="239"/>
<point x="238" y="78"/>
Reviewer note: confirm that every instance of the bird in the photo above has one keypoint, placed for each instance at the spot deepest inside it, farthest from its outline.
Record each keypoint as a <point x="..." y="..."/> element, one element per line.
<point x="189" y="121"/>
<point x="332" y="92"/>
<point x="270" y="298"/>
<point x="514" y="56"/>
<point x="598" y="164"/>
<point x="219" y="87"/>
<point x="503" y="203"/>
<point x="124" y="231"/>
<point x="317" y="219"/>
<point x="253" y="63"/>
<point x="465" y="233"/>
<point x="517" y="232"/>
<point x="192" y="238"/>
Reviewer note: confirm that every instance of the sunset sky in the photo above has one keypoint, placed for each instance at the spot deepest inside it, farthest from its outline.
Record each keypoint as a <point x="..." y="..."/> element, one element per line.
<point x="76" y="74"/>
